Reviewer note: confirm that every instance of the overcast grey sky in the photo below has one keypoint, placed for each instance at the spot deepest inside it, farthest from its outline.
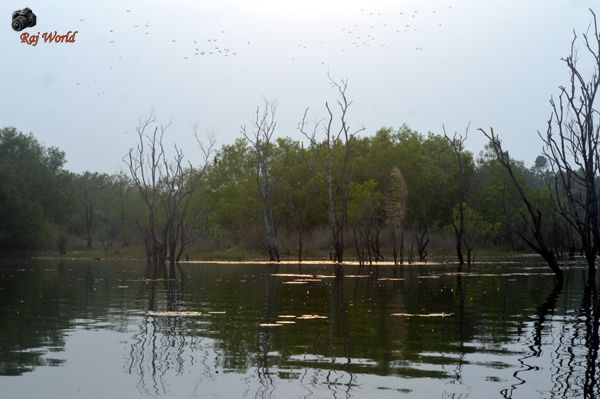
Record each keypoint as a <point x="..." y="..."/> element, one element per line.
<point x="491" y="62"/>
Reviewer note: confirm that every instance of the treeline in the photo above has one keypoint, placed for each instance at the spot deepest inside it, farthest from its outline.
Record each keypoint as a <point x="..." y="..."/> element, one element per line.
<point x="402" y="189"/>
<point x="333" y="190"/>
<point x="41" y="203"/>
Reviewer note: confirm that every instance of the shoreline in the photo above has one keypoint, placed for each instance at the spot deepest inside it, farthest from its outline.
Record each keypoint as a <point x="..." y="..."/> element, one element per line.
<point x="291" y="261"/>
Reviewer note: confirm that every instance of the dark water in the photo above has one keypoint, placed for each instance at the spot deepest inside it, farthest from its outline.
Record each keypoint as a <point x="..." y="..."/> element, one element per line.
<point x="81" y="329"/>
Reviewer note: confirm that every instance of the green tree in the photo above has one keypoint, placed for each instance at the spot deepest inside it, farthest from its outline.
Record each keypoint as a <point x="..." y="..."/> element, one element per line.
<point x="33" y="189"/>
<point x="366" y="215"/>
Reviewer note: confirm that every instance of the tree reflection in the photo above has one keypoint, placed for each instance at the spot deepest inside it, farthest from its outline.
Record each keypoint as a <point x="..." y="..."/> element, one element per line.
<point x="265" y="387"/>
<point x="460" y="292"/>
<point x="339" y="327"/>
<point x="539" y="323"/>
<point x="578" y="339"/>
<point x="163" y="345"/>
<point x="572" y="338"/>
<point x="359" y="342"/>
<point x="589" y="308"/>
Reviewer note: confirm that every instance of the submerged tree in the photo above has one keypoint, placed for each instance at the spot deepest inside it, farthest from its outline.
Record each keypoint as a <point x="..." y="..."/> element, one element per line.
<point x="457" y="142"/>
<point x="145" y="168"/>
<point x="166" y="187"/>
<point x="476" y="229"/>
<point x="572" y="141"/>
<point x="260" y="138"/>
<point x="395" y="209"/>
<point x="532" y="216"/>
<point x="333" y="164"/>
<point x="178" y="185"/>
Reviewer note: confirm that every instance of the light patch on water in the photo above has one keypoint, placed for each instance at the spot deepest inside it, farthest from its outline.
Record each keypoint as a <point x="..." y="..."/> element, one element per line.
<point x="185" y="313"/>
<point x="310" y="317"/>
<point x="422" y="314"/>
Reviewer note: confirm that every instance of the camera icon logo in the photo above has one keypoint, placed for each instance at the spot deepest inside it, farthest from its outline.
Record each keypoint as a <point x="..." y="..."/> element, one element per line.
<point x="22" y="19"/>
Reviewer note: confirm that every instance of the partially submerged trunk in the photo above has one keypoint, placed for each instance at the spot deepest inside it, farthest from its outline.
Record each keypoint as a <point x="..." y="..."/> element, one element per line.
<point x="271" y="235"/>
<point x="337" y="142"/>
<point x="263" y="147"/>
<point x="533" y="218"/>
<point x="422" y="242"/>
<point x="457" y="142"/>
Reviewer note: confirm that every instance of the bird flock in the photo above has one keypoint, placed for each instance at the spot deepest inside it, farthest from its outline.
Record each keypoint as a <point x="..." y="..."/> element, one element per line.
<point x="366" y="34"/>
<point x="369" y="29"/>
<point x="198" y="47"/>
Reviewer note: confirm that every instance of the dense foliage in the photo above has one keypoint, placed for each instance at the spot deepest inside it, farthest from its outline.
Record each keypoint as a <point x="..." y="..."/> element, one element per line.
<point x="41" y="203"/>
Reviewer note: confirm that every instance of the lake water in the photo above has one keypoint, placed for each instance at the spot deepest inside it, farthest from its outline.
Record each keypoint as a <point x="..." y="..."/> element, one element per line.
<point x="112" y="329"/>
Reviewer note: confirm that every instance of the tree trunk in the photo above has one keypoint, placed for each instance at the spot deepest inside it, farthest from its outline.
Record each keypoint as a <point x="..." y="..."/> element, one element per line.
<point x="89" y="222"/>
<point x="401" y="245"/>
<point x="422" y="243"/>
<point x="459" y="253"/>
<point x="394" y="246"/>
<point x="300" y="241"/>
<point x="359" y="256"/>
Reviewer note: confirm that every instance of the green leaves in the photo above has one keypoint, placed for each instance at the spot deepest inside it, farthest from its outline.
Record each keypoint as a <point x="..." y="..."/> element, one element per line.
<point x="31" y="189"/>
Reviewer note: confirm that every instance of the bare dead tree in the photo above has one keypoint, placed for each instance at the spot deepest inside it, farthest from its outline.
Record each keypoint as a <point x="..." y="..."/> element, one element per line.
<point x="335" y="176"/>
<point x="571" y="143"/>
<point x="177" y="187"/>
<point x="533" y="217"/>
<point x="420" y="228"/>
<point x="422" y="240"/>
<point x="144" y="163"/>
<point x="166" y="186"/>
<point x="260" y="138"/>
<point x="179" y="184"/>
<point x="457" y="142"/>
<point x="207" y="150"/>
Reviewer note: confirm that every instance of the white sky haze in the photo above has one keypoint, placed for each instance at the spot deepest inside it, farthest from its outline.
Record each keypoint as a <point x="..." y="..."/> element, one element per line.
<point x="423" y="63"/>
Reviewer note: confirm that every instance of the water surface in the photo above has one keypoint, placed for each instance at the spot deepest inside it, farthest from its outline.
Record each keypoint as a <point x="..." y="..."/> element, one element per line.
<point x="98" y="329"/>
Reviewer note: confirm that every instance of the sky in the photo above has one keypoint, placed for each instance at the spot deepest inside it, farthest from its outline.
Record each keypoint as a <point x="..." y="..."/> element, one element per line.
<point x="426" y="64"/>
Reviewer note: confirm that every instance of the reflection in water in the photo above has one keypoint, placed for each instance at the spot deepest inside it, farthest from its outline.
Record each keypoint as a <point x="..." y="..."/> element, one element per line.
<point x="535" y="345"/>
<point x="460" y="293"/>
<point x="263" y="375"/>
<point x="339" y="327"/>
<point x="516" y="334"/>
<point x="589" y="308"/>
<point x="579" y="340"/>
<point x="570" y="339"/>
<point x="163" y="345"/>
